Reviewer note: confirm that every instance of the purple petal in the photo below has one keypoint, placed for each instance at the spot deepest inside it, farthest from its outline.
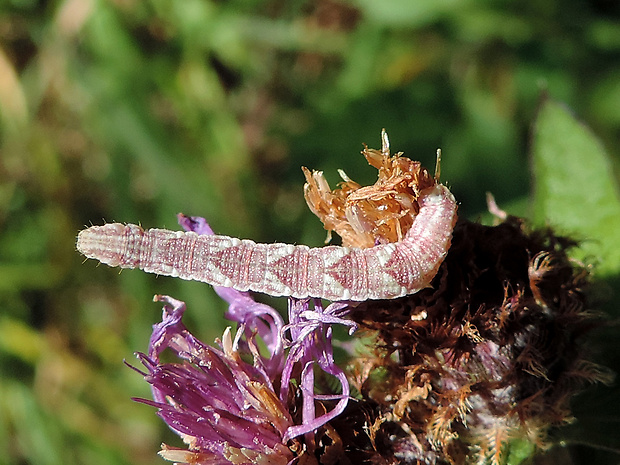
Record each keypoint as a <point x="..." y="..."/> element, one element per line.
<point x="194" y="223"/>
<point x="310" y="332"/>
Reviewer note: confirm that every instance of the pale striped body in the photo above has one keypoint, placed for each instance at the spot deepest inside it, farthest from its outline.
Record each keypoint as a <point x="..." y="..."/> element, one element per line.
<point x="335" y="273"/>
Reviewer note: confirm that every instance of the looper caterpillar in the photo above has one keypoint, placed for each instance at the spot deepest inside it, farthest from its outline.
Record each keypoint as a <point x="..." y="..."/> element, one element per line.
<point x="385" y="271"/>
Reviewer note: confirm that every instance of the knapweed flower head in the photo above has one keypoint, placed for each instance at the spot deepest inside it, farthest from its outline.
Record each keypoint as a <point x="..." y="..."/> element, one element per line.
<point x="224" y="408"/>
<point x="488" y="354"/>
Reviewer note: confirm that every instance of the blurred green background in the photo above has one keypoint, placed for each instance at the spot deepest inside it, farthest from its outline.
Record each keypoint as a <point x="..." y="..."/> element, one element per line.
<point x="133" y="111"/>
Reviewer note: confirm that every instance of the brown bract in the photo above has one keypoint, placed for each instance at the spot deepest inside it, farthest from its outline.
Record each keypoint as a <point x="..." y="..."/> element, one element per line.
<point x="370" y="215"/>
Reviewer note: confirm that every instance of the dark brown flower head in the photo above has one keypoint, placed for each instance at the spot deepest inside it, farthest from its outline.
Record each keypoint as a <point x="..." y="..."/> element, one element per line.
<point x="487" y="355"/>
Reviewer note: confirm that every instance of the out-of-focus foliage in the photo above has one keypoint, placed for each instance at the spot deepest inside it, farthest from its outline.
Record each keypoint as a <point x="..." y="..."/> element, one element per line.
<point x="575" y="189"/>
<point x="577" y="194"/>
<point x="132" y="111"/>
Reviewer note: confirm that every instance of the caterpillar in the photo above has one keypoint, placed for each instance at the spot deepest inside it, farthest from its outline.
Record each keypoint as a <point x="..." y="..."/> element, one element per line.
<point x="335" y="273"/>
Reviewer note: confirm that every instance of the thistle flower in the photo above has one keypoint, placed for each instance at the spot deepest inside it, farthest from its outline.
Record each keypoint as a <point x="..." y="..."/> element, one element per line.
<point x="223" y="408"/>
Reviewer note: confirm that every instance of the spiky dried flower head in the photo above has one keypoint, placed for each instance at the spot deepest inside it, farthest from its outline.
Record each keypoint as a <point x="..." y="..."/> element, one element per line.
<point x="488" y="355"/>
<point x="364" y="216"/>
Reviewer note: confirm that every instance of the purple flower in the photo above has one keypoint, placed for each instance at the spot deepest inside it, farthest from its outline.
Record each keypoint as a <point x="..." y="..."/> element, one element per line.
<point x="223" y="408"/>
<point x="311" y="343"/>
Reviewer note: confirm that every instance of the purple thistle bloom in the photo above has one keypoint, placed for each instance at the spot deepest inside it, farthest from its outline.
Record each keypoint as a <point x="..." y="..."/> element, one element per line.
<point x="224" y="408"/>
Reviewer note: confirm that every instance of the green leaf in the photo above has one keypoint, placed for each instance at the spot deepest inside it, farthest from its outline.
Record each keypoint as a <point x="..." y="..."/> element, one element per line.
<point x="575" y="190"/>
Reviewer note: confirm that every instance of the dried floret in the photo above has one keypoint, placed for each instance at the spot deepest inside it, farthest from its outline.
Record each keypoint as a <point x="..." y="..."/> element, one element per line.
<point x="378" y="214"/>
